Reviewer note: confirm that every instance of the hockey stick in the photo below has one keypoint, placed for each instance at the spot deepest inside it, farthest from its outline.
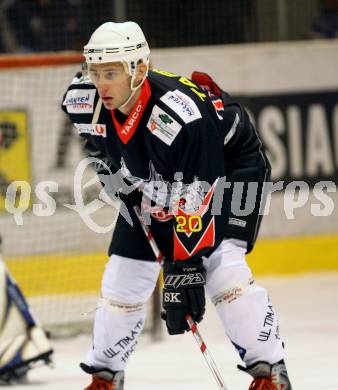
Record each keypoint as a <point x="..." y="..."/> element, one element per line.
<point x="149" y="235"/>
<point x="192" y="325"/>
<point x="206" y="353"/>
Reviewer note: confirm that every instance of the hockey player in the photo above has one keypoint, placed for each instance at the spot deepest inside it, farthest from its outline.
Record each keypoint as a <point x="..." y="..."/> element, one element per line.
<point x="23" y="342"/>
<point x="178" y="143"/>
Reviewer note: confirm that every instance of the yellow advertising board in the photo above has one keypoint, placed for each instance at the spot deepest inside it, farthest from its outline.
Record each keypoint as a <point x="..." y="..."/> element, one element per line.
<point x="14" y="153"/>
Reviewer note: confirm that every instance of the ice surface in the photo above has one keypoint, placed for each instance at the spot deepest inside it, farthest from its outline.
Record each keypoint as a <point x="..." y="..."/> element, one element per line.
<point x="308" y="312"/>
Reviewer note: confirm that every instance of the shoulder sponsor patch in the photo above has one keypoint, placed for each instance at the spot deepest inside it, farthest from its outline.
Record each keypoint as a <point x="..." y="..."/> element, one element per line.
<point x="92" y="129"/>
<point x="182" y="104"/>
<point x="163" y="126"/>
<point x="80" y="101"/>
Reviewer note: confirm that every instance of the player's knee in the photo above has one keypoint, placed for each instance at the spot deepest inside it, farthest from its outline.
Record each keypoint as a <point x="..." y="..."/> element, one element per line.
<point x="236" y="292"/>
<point x="121" y="307"/>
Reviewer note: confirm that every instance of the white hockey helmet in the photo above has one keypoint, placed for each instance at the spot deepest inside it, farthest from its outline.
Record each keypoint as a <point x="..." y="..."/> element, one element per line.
<point x="118" y="42"/>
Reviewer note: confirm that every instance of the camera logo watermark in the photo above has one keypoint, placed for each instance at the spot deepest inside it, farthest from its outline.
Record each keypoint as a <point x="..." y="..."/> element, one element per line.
<point x="161" y="199"/>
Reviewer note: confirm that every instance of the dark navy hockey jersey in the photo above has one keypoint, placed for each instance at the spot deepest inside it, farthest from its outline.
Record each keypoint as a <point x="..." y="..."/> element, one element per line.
<point x="182" y="145"/>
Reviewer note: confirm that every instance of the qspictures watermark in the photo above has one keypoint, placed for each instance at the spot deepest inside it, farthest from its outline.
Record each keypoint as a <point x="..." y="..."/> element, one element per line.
<point x="162" y="198"/>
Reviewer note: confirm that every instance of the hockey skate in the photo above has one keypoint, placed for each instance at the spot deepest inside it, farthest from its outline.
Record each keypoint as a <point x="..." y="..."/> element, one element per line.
<point x="23" y="343"/>
<point x="104" y="379"/>
<point x="268" y="377"/>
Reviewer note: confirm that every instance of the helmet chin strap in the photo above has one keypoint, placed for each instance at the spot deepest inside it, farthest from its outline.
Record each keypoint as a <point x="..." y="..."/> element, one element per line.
<point x="133" y="90"/>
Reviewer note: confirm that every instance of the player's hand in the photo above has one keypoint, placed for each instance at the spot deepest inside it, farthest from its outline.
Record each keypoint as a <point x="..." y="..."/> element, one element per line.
<point x="183" y="294"/>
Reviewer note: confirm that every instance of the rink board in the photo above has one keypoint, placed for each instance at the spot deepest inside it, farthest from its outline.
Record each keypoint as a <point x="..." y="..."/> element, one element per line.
<point x="295" y="255"/>
<point x="77" y="274"/>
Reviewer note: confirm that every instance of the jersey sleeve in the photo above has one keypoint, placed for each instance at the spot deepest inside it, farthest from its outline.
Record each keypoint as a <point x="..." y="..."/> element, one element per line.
<point x="79" y="104"/>
<point x="246" y="166"/>
<point x="79" y="100"/>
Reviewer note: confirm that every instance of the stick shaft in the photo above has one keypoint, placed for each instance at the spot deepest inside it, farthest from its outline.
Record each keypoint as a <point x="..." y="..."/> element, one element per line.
<point x="206" y="353"/>
<point x="149" y="235"/>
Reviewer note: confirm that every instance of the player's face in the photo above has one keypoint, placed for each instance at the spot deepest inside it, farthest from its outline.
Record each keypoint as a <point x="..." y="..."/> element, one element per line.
<point x="112" y="83"/>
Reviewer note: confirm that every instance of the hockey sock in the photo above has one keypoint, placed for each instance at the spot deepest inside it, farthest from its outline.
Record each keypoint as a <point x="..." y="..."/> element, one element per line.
<point x="246" y="312"/>
<point x="126" y="286"/>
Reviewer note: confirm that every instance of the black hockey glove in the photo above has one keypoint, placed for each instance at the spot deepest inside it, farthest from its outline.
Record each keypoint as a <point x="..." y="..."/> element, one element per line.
<point x="183" y="294"/>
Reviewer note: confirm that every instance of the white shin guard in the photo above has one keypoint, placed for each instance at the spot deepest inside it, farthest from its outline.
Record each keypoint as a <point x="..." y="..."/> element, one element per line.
<point x="126" y="286"/>
<point x="244" y="308"/>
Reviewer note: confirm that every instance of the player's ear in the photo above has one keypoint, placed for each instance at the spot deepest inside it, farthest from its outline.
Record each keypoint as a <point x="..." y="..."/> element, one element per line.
<point x="141" y="72"/>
